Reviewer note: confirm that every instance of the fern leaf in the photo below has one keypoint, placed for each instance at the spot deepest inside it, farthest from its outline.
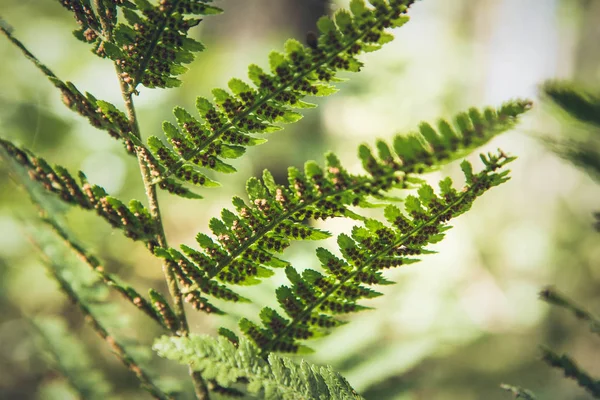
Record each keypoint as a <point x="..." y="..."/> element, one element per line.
<point x="134" y="220"/>
<point x="88" y="293"/>
<point x="301" y="71"/>
<point x="100" y="114"/>
<point x="579" y="103"/>
<point x="572" y="370"/>
<point x="150" y="45"/>
<point x="158" y="309"/>
<point x="314" y="300"/>
<point x="552" y="296"/>
<point x="249" y="239"/>
<point x="71" y="359"/>
<point x="275" y="378"/>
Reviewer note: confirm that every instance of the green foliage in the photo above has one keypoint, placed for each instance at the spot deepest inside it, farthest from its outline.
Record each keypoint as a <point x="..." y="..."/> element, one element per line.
<point x="564" y="362"/>
<point x="84" y="289"/>
<point x="149" y="45"/>
<point x="551" y="296"/>
<point x="582" y="106"/>
<point x="134" y="220"/>
<point x="314" y="300"/>
<point x="275" y="378"/>
<point x="100" y="114"/>
<point x="71" y="358"/>
<point x="227" y="122"/>
<point x="572" y="371"/>
<point x="248" y="241"/>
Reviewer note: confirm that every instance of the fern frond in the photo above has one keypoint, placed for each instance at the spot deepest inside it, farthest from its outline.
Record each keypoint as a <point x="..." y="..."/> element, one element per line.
<point x="223" y="132"/>
<point x="101" y="114"/>
<point x="277" y="378"/>
<point x="151" y="45"/>
<point x="134" y="220"/>
<point x="572" y="371"/>
<point x="71" y="359"/>
<point x="552" y="296"/>
<point x="247" y="241"/>
<point x="315" y="299"/>
<point x="88" y="294"/>
<point x="581" y="104"/>
<point x="157" y="309"/>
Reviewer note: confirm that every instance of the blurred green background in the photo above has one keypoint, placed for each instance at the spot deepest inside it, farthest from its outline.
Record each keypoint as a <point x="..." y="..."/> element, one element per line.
<point x="457" y="324"/>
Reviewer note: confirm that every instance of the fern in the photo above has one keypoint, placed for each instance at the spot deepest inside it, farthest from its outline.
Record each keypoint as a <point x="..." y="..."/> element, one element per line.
<point x="149" y="45"/>
<point x="247" y="241"/>
<point x="276" y="378"/>
<point x="564" y="362"/>
<point x="87" y="292"/>
<point x="314" y="300"/>
<point x="134" y="220"/>
<point x="302" y="71"/>
<point x="71" y="358"/>
<point x="581" y="106"/>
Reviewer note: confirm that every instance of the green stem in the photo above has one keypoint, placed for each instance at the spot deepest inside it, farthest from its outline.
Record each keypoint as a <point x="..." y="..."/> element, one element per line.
<point x="153" y="206"/>
<point x="200" y="387"/>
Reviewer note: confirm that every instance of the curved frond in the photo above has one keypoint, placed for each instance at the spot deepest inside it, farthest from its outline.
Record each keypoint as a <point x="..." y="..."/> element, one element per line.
<point x="246" y="242"/>
<point x="579" y="103"/>
<point x="134" y="219"/>
<point x="88" y="294"/>
<point x="276" y="378"/>
<point x="70" y="357"/>
<point x="225" y="129"/>
<point x="101" y="114"/>
<point x="315" y="299"/>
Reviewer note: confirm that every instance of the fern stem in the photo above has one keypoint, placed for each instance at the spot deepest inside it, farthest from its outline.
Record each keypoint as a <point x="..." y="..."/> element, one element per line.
<point x="309" y="308"/>
<point x="273" y="94"/>
<point x="200" y="387"/>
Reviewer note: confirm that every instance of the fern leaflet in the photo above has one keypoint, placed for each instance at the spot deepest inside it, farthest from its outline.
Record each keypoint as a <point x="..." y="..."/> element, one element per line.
<point x="277" y="378"/>
<point x="134" y="220"/>
<point x="248" y="240"/>
<point x="314" y="299"/>
<point x="302" y="71"/>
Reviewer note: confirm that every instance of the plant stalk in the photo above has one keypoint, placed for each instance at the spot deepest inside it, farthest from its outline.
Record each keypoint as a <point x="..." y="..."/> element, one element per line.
<point x="200" y="387"/>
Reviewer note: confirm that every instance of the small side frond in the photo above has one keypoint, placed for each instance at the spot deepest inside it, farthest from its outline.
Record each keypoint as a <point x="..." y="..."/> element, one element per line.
<point x="68" y="356"/>
<point x="552" y="296"/>
<point x="88" y="293"/>
<point x="157" y="309"/>
<point x="101" y="114"/>
<point x="275" y="378"/>
<point x="226" y="124"/>
<point x="314" y="300"/>
<point x="572" y="371"/>
<point x="151" y="45"/>
<point x="579" y="103"/>
<point x="246" y="242"/>
<point x="134" y="220"/>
